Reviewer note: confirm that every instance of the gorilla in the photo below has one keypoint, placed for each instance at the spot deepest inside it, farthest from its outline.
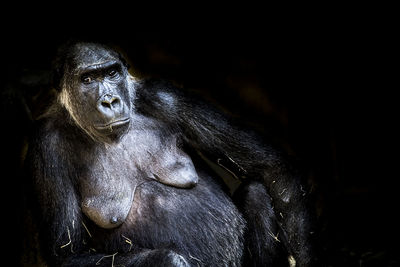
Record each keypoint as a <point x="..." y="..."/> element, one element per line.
<point x="121" y="175"/>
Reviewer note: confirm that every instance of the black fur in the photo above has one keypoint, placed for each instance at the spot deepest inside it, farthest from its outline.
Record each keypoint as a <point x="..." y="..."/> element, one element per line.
<point x="139" y="194"/>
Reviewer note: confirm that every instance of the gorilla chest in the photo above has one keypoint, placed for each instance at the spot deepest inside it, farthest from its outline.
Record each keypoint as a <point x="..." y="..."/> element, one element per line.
<point x="140" y="155"/>
<point x="113" y="172"/>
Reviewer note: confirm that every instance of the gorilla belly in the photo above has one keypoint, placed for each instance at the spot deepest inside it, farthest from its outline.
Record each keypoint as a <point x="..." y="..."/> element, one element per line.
<point x="201" y="223"/>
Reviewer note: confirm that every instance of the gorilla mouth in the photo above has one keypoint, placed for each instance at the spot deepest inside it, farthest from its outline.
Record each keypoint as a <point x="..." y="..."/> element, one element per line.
<point x="113" y="124"/>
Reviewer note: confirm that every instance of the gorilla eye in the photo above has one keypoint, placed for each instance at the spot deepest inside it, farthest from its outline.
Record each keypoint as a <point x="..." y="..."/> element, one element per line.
<point x="112" y="73"/>
<point x="87" y="79"/>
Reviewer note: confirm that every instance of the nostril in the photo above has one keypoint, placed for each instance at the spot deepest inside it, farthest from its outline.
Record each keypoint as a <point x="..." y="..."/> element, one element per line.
<point x="106" y="104"/>
<point x="115" y="102"/>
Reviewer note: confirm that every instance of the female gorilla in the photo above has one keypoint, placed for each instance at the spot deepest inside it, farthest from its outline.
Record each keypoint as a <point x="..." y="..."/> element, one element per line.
<point x="114" y="183"/>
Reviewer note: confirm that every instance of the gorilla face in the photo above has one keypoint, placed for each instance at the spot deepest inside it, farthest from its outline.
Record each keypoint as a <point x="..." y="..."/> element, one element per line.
<point x="97" y="91"/>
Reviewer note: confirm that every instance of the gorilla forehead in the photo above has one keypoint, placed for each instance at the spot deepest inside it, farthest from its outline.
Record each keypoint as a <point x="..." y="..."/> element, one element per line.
<point x="82" y="55"/>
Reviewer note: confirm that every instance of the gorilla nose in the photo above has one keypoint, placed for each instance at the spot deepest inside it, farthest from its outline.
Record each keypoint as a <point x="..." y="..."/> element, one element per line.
<point x="109" y="105"/>
<point x="110" y="101"/>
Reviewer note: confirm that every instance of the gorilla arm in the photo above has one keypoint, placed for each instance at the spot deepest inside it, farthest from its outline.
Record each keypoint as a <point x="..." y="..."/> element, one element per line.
<point x="214" y="135"/>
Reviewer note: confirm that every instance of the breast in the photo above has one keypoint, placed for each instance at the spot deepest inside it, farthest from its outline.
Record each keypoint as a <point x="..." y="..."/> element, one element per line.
<point x="107" y="183"/>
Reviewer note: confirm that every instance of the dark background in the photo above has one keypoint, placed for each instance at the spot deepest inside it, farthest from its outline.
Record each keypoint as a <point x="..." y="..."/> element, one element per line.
<point x="321" y="90"/>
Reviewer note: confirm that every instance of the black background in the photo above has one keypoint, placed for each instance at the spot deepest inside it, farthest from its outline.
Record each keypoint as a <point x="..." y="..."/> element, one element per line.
<point x="320" y="87"/>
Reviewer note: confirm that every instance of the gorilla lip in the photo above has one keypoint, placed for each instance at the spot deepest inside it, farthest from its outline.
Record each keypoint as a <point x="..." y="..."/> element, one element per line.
<point x="113" y="124"/>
